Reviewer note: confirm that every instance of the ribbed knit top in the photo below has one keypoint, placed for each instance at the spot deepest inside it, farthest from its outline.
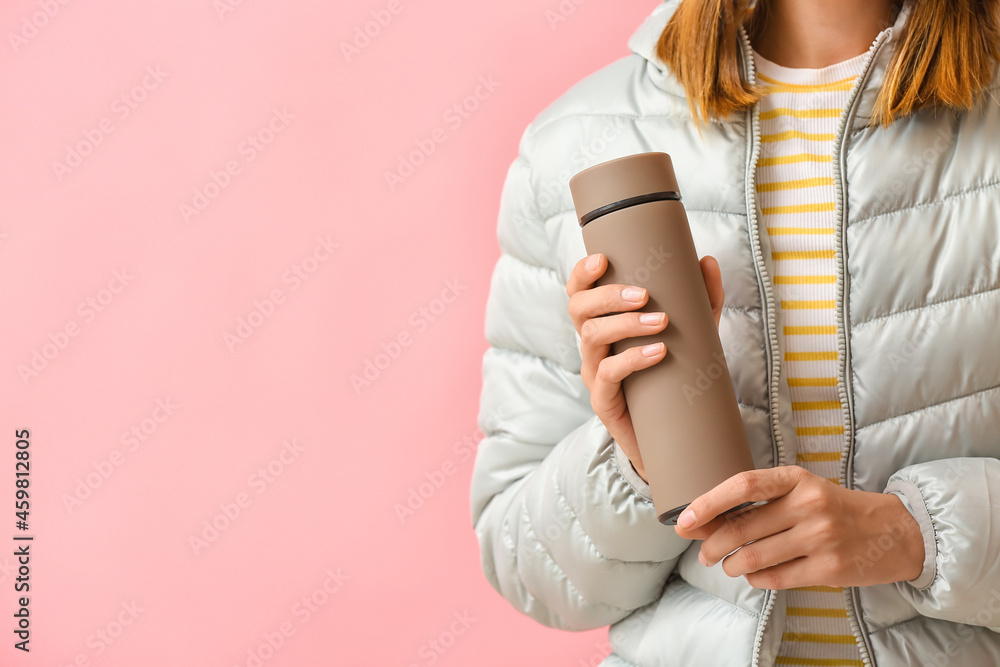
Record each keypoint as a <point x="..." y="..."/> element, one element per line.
<point x="799" y="118"/>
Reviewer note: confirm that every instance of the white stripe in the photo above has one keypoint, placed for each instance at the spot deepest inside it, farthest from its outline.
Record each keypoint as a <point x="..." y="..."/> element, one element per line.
<point x="831" y="445"/>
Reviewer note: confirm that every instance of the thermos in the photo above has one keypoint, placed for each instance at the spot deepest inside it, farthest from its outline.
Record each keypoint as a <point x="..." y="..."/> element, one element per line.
<point x="683" y="408"/>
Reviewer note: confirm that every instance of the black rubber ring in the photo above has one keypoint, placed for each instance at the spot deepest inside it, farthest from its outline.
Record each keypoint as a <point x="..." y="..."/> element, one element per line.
<point x="669" y="518"/>
<point x="630" y="201"/>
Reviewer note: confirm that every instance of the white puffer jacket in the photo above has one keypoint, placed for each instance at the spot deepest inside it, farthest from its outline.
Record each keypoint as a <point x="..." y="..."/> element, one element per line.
<point x="567" y="530"/>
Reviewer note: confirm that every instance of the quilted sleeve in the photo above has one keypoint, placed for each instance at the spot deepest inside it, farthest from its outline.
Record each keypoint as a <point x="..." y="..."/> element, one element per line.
<point x="956" y="502"/>
<point x="564" y="535"/>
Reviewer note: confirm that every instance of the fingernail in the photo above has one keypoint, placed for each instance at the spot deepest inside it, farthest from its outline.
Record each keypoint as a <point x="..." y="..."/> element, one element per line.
<point x="592" y="262"/>
<point x="652" y="350"/>
<point x="701" y="559"/>
<point x="632" y="293"/>
<point x="651" y="318"/>
<point x="686" y="519"/>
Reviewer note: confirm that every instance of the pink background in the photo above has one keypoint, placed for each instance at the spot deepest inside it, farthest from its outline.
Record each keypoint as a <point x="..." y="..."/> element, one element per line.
<point x="101" y="246"/>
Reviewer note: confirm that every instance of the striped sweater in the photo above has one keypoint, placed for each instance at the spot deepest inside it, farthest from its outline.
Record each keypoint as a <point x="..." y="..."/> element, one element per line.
<point x="799" y="116"/>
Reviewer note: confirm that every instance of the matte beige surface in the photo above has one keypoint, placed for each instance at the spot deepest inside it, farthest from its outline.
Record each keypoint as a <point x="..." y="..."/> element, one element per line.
<point x="624" y="177"/>
<point x="683" y="408"/>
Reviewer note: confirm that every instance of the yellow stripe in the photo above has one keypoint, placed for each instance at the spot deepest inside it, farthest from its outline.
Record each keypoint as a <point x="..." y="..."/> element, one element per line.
<point x="835" y="480"/>
<point x="820" y="430"/>
<point x="808" y="305"/>
<point x="795" y="134"/>
<point x="804" y="254"/>
<point x="821" y="589"/>
<point x="801" y="113"/>
<point x="810" y="356"/>
<point x="816" y="611"/>
<point x="818" y="662"/>
<point x="823" y="88"/>
<point x="765" y="78"/>
<point x="817" y="457"/>
<point x="792" y="159"/>
<point x="800" y="208"/>
<point x="810" y="331"/>
<point x="817" y="638"/>
<point x="782" y="86"/>
<point x="812" y="382"/>
<point x="784" y="231"/>
<point x="804" y="280"/>
<point x="795" y="185"/>
<point x="816" y="405"/>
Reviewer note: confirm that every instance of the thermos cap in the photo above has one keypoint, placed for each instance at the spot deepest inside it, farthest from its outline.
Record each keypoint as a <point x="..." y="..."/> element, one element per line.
<point x="621" y="182"/>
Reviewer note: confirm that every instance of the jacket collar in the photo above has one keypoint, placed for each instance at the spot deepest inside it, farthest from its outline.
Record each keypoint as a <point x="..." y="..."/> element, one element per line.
<point x="865" y="103"/>
<point x="643" y="42"/>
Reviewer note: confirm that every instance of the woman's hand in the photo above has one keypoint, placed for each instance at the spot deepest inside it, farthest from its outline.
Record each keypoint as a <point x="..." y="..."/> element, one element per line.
<point x="812" y="532"/>
<point x="603" y="374"/>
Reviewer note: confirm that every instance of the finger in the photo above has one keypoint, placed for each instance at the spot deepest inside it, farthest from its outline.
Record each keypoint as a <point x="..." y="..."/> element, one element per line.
<point x="598" y="333"/>
<point x="604" y="299"/>
<point x="612" y="370"/>
<point x="713" y="282"/>
<point x="585" y="272"/>
<point x="764" y="553"/>
<point x="795" y="573"/>
<point x="738" y="529"/>
<point x="744" y="487"/>
<point x="704" y="531"/>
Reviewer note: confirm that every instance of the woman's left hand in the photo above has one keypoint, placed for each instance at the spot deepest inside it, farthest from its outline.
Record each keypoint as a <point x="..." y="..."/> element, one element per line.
<point x="812" y="532"/>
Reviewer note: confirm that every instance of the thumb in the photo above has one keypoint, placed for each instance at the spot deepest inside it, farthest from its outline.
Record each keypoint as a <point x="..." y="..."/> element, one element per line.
<point x="713" y="281"/>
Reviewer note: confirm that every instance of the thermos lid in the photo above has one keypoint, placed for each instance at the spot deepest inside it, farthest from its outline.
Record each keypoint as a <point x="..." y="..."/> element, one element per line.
<point x="622" y="182"/>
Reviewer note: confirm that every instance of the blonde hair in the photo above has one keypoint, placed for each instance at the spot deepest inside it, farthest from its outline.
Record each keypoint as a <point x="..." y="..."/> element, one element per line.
<point x="944" y="55"/>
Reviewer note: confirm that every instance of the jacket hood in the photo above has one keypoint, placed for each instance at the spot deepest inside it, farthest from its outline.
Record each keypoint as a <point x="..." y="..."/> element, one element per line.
<point x="643" y="42"/>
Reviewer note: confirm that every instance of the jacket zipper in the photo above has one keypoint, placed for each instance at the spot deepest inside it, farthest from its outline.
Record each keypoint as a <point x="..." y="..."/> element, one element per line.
<point x="846" y="396"/>
<point x="767" y="303"/>
<point x="838" y="160"/>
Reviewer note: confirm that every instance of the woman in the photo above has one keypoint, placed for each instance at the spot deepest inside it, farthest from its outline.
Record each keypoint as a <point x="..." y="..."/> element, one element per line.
<point x="840" y="171"/>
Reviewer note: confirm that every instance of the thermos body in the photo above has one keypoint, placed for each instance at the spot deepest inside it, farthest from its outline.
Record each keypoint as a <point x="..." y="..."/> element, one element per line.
<point x="683" y="408"/>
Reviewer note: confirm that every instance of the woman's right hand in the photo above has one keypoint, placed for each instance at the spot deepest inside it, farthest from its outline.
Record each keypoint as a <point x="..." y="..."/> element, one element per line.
<point x="603" y="374"/>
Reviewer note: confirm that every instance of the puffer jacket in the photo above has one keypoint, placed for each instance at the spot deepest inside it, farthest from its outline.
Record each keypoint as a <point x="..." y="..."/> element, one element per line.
<point x="567" y="530"/>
